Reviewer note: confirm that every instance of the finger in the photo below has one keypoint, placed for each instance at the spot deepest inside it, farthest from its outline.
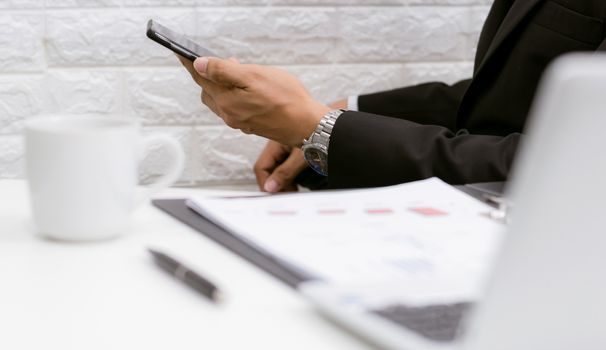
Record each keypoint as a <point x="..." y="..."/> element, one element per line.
<point x="233" y="59"/>
<point x="248" y="130"/>
<point x="223" y="72"/>
<point x="272" y="155"/>
<point x="186" y="63"/>
<point x="212" y="88"/>
<point x="189" y="65"/>
<point x="210" y="103"/>
<point x="282" y="178"/>
<point x="217" y="98"/>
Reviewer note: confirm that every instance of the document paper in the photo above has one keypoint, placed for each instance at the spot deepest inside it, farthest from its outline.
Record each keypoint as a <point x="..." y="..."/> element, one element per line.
<point x="425" y="228"/>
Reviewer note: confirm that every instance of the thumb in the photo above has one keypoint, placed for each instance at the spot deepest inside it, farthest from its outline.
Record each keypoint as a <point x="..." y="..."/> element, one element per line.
<point x="283" y="176"/>
<point x="220" y="71"/>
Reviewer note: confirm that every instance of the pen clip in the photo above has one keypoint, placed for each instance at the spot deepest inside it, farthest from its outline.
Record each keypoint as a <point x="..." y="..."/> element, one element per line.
<point x="502" y="211"/>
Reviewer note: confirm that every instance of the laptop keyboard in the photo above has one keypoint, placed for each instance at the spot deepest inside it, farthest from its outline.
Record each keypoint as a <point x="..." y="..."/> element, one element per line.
<point x="436" y="322"/>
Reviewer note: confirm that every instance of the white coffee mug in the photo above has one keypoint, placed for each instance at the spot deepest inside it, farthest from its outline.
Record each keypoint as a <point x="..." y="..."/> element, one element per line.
<point x="83" y="174"/>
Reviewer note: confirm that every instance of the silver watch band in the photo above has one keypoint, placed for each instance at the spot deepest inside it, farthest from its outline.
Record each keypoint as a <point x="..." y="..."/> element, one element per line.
<point x="324" y="129"/>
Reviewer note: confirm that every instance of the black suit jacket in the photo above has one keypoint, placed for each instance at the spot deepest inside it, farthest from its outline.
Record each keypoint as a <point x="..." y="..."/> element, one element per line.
<point x="467" y="132"/>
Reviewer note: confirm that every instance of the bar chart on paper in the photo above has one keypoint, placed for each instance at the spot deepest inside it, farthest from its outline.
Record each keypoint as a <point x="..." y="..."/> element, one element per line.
<point x="425" y="228"/>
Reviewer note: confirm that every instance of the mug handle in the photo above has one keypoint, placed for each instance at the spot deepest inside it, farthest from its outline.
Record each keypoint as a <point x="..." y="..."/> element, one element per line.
<point x="174" y="171"/>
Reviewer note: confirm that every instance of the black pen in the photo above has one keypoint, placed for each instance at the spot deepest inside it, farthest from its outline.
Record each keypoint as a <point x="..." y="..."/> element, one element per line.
<point x="186" y="275"/>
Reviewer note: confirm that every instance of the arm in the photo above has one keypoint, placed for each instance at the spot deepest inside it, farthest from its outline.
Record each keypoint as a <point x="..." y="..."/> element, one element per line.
<point x="284" y="166"/>
<point x="428" y="104"/>
<point x="365" y="149"/>
<point x="370" y="150"/>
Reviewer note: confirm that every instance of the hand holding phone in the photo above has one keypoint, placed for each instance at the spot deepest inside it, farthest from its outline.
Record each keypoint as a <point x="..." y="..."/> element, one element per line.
<point x="176" y="42"/>
<point x="263" y="100"/>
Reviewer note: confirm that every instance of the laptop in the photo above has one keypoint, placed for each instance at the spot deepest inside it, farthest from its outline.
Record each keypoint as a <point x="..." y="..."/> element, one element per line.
<point x="547" y="288"/>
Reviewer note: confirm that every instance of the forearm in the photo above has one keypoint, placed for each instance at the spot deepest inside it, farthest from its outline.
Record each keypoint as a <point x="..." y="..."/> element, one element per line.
<point x="370" y="150"/>
<point x="428" y="104"/>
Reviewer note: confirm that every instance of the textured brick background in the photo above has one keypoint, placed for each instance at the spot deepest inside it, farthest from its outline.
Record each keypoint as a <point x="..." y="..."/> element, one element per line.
<point x="91" y="56"/>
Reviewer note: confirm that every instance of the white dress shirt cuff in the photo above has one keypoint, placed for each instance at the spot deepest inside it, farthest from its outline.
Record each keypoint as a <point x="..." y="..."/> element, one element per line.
<point x="352" y="103"/>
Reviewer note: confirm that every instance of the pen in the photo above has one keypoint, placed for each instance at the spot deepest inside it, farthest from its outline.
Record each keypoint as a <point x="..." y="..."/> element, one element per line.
<point x="186" y="275"/>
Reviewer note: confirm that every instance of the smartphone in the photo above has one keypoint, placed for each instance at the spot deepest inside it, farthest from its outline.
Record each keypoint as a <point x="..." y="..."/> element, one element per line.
<point x="176" y="42"/>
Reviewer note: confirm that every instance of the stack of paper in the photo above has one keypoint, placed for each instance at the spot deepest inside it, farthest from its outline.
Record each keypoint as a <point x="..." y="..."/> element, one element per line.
<point x="425" y="228"/>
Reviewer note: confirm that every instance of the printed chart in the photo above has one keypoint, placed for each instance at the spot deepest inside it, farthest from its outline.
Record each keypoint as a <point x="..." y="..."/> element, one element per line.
<point x="426" y="228"/>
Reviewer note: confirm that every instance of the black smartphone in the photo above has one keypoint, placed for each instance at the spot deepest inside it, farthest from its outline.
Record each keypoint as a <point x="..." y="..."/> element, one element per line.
<point x="176" y="42"/>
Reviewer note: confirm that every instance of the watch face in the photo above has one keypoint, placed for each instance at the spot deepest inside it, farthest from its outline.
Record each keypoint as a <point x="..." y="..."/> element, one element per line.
<point x="316" y="158"/>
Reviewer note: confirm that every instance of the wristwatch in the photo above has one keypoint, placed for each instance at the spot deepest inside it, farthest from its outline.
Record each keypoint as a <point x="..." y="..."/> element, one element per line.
<point x="315" y="148"/>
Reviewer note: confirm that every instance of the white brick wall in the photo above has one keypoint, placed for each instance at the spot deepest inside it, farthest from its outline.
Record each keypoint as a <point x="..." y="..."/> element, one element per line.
<point x="91" y="56"/>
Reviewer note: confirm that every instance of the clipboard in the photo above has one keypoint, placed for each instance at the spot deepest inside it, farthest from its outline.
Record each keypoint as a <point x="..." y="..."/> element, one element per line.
<point x="262" y="259"/>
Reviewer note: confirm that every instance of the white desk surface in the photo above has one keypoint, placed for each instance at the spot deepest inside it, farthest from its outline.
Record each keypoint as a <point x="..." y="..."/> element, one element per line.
<point x="110" y="295"/>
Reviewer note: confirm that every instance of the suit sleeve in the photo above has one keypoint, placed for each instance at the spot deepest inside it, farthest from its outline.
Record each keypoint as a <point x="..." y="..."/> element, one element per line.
<point x="429" y="104"/>
<point x="370" y="150"/>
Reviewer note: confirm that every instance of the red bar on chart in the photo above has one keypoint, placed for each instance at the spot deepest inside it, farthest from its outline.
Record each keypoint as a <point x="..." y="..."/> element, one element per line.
<point x="427" y="211"/>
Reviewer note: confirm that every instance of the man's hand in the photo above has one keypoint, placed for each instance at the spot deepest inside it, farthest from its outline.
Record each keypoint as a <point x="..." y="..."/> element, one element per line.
<point x="261" y="100"/>
<point x="279" y="165"/>
<point x="268" y="102"/>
